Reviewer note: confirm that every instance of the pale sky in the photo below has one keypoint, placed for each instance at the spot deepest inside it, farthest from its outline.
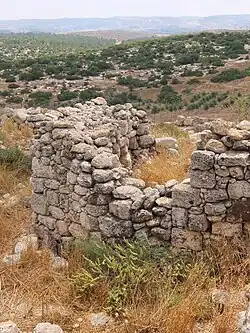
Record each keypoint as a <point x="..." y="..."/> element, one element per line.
<point x="18" y="9"/>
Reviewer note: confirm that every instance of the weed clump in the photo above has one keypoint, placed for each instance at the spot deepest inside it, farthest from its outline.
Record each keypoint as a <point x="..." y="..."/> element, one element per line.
<point x="15" y="158"/>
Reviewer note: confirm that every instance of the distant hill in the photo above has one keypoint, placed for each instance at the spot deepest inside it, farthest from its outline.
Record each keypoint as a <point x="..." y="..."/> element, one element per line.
<point x="118" y="35"/>
<point x="165" y="25"/>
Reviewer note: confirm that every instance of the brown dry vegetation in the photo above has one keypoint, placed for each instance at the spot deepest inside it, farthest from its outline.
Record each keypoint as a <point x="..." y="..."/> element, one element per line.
<point x="163" y="166"/>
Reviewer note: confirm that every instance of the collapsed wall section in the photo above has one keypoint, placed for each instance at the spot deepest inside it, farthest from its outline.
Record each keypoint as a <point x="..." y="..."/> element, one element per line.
<point x="82" y="184"/>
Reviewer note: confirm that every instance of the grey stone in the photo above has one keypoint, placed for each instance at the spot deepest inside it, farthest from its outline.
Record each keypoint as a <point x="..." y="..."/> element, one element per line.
<point x="99" y="319"/>
<point x="185" y="196"/>
<point x="102" y="176"/>
<point x="234" y="158"/>
<point x="142" y="216"/>
<point x="37" y="184"/>
<point x="215" y="146"/>
<point x="56" y="212"/>
<point x="244" y="125"/>
<point x="146" y="141"/>
<point x="47" y="328"/>
<point x="40" y="170"/>
<point x="164" y="202"/>
<point x="9" y="327"/>
<point x="47" y="221"/>
<point x="62" y="228"/>
<point x="77" y="231"/>
<point x="151" y="195"/>
<point x="96" y="211"/>
<point x="39" y="204"/>
<point x="160" y="233"/>
<point x="86" y="167"/>
<point x="112" y="227"/>
<point x="202" y="179"/>
<point x="105" y="188"/>
<point x="71" y="178"/>
<point x="80" y="190"/>
<point x="198" y="223"/>
<point x="53" y="198"/>
<point x="133" y="182"/>
<point x="215" y="195"/>
<point x="166" y="143"/>
<point x="166" y="222"/>
<point x="159" y="211"/>
<point x="220" y="127"/>
<point x="196" y="210"/>
<point x="179" y="217"/>
<point x="215" y="208"/>
<point x="105" y="161"/>
<point x="141" y="235"/>
<point x="121" y="208"/>
<point x="127" y="192"/>
<point x="236" y="172"/>
<point x="239" y="189"/>
<point x="202" y="160"/>
<point x="238" y="135"/>
<point x="85" y="180"/>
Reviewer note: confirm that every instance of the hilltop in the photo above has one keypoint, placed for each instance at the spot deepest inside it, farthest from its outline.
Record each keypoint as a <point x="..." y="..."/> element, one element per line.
<point x="169" y="25"/>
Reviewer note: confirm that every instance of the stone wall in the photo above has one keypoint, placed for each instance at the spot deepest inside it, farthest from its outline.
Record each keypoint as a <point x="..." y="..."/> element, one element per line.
<point x="83" y="186"/>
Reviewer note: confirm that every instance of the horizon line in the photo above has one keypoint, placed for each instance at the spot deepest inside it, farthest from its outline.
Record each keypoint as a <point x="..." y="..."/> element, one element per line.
<point x="119" y="16"/>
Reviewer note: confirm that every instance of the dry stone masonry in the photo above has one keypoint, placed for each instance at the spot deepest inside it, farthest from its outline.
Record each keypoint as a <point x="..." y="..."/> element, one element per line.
<point x="83" y="186"/>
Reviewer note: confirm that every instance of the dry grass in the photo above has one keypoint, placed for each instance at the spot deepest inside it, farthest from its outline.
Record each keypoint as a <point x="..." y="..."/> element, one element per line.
<point x="163" y="166"/>
<point x="10" y="178"/>
<point x="167" y="129"/>
<point x="12" y="134"/>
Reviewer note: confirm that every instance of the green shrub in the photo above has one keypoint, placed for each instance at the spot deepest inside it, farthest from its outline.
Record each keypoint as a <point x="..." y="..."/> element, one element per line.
<point x="14" y="99"/>
<point x="193" y="81"/>
<point x="15" y="158"/>
<point x="228" y="75"/>
<point x="125" y="270"/>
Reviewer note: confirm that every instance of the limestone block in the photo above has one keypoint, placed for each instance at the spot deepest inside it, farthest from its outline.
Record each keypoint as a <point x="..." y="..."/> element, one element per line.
<point x="234" y="158"/>
<point x="202" y="160"/>
<point x="112" y="227"/>
<point x="121" y="208"/>
<point x="198" y="223"/>
<point x="179" y="217"/>
<point x="185" y="196"/>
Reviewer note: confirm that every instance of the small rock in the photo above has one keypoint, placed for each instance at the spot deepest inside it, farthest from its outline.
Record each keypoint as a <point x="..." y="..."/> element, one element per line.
<point x="47" y="328"/>
<point x="26" y="242"/>
<point x="12" y="259"/>
<point x="99" y="319"/>
<point x="9" y="327"/>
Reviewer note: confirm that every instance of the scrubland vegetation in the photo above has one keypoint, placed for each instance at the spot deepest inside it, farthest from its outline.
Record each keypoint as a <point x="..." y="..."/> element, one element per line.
<point x="59" y="70"/>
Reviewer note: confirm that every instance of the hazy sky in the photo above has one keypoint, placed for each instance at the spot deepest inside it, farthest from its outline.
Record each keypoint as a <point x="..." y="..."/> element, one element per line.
<point x="16" y="9"/>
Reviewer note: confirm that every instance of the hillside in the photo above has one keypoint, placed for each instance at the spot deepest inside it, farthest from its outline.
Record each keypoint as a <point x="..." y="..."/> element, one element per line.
<point x="118" y="35"/>
<point x="199" y="73"/>
<point x="169" y="25"/>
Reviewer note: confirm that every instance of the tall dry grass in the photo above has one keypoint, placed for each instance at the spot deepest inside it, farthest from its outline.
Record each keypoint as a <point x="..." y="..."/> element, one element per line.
<point x="12" y="134"/>
<point x="164" y="166"/>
